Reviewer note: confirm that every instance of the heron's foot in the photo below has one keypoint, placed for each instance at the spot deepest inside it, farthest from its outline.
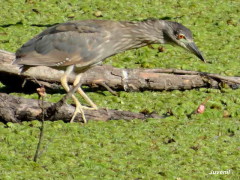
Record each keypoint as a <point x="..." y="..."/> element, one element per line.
<point x="87" y="99"/>
<point x="79" y="109"/>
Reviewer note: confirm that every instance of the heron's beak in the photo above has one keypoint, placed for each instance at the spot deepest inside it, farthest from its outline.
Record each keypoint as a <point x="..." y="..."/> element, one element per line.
<point x="193" y="49"/>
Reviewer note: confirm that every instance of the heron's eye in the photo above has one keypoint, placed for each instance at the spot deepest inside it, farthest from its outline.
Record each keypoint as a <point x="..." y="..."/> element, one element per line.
<point x="180" y="36"/>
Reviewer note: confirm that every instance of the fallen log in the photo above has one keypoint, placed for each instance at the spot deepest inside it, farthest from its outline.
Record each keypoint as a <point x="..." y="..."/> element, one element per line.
<point x="17" y="109"/>
<point x="115" y="78"/>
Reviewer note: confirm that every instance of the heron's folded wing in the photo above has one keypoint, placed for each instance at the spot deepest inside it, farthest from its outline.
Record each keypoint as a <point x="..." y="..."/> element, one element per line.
<point x="62" y="45"/>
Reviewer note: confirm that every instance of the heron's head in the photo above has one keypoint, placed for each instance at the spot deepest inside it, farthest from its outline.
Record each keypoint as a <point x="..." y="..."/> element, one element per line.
<point x="177" y="34"/>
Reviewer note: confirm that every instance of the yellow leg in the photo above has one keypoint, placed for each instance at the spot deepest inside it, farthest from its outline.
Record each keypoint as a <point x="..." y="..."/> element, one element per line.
<point x="79" y="108"/>
<point x="82" y="93"/>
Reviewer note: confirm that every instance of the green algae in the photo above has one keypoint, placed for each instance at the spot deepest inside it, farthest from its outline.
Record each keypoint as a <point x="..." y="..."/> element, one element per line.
<point x="178" y="147"/>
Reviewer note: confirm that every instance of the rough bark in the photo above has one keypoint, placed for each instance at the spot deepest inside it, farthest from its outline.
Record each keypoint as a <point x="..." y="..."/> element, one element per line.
<point x="115" y="78"/>
<point x="18" y="109"/>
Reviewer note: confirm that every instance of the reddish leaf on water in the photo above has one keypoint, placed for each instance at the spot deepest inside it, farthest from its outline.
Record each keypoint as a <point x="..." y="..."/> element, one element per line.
<point x="201" y="108"/>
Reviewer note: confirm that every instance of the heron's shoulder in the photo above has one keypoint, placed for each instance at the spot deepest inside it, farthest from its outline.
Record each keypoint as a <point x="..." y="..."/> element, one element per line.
<point x="83" y="26"/>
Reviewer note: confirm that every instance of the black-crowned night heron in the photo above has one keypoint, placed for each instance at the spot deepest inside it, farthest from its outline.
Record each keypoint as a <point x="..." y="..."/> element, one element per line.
<point x="79" y="45"/>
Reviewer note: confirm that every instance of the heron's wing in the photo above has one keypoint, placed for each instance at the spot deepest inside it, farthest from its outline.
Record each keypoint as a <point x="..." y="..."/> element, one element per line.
<point x="62" y="45"/>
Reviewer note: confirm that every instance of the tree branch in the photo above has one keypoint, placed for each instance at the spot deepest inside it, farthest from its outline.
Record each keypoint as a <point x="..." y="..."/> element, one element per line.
<point x="18" y="109"/>
<point x="114" y="78"/>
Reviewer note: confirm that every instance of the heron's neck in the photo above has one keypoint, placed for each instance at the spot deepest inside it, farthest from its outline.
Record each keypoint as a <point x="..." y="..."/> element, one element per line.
<point x="140" y="34"/>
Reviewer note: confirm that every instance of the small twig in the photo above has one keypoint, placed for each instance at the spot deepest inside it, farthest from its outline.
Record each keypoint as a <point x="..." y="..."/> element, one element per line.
<point x="108" y="88"/>
<point x="41" y="93"/>
<point x="44" y="149"/>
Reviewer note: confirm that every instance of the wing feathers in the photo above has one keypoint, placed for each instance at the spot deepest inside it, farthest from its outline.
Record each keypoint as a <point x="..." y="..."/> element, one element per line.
<point x="64" y="44"/>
